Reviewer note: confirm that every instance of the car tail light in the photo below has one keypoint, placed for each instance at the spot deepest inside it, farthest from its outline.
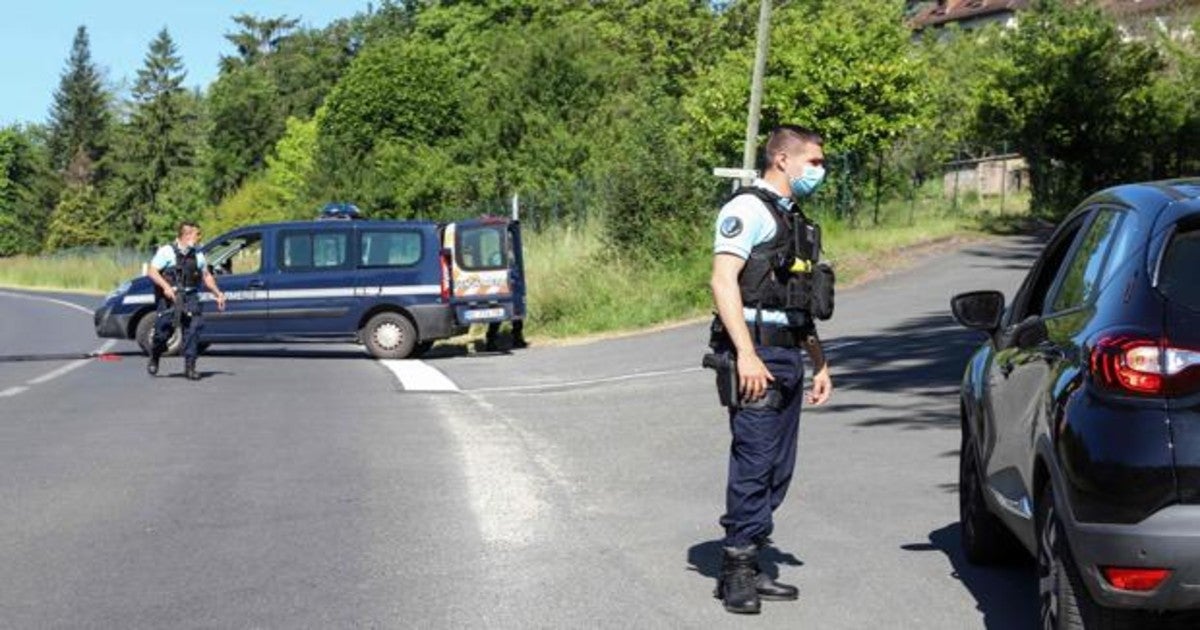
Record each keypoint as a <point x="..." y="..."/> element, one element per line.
<point x="1144" y="366"/>
<point x="1135" y="579"/>
<point x="445" y="258"/>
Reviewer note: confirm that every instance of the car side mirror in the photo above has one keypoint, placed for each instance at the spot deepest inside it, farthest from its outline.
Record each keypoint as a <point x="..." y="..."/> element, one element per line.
<point x="979" y="310"/>
<point x="1030" y="333"/>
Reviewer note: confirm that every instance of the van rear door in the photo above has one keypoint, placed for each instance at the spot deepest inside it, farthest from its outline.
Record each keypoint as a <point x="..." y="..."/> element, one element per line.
<point x="485" y="277"/>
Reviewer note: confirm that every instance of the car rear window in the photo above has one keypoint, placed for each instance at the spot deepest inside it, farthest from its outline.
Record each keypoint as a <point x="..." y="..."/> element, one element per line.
<point x="1177" y="279"/>
<point x="482" y="247"/>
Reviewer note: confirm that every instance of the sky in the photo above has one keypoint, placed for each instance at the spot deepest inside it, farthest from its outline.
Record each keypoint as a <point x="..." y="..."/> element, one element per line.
<point x="35" y="40"/>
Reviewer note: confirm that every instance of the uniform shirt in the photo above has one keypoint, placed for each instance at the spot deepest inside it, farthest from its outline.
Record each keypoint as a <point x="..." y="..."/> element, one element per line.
<point x="744" y="222"/>
<point x="164" y="259"/>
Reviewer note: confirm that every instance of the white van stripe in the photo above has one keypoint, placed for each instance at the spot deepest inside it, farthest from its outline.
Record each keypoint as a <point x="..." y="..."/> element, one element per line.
<point x="418" y="376"/>
<point x="294" y="294"/>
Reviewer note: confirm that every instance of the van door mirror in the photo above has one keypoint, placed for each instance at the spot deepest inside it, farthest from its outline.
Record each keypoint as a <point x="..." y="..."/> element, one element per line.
<point x="979" y="310"/>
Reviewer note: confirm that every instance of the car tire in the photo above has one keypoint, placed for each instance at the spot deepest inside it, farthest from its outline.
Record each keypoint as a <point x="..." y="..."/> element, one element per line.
<point x="389" y="336"/>
<point x="985" y="540"/>
<point x="1064" y="602"/>
<point x="145" y="328"/>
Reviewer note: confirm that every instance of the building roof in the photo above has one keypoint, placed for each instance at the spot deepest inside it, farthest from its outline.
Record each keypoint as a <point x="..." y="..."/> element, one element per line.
<point x="948" y="11"/>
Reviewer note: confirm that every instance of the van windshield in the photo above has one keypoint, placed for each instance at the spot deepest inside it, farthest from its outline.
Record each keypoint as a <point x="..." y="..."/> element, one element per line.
<point x="482" y="247"/>
<point x="1177" y="280"/>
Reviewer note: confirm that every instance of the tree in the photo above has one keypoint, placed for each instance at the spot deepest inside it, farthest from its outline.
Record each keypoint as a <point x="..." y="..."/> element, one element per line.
<point x="75" y="222"/>
<point x="257" y="38"/>
<point x="846" y="69"/>
<point x="79" y="117"/>
<point x="158" y="143"/>
<point x="24" y="191"/>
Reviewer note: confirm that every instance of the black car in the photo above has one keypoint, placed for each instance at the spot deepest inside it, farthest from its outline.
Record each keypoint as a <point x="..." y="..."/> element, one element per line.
<point x="1081" y="413"/>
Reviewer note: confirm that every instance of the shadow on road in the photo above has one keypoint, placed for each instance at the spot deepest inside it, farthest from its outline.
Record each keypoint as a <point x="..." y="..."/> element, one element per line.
<point x="1006" y="596"/>
<point x="705" y="558"/>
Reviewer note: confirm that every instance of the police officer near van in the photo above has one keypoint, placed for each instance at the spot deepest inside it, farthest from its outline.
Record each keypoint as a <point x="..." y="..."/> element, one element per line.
<point x="177" y="271"/>
<point x="769" y="287"/>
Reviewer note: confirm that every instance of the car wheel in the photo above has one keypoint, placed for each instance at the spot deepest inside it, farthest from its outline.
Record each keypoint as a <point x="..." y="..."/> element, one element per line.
<point x="389" y="336"/>
<point x="985" y="539"/>
<point x="144" y="330"/>
<point x="1064" y="602"/>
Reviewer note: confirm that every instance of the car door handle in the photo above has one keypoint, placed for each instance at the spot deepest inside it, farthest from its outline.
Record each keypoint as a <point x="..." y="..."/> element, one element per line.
<point x="256" y="284"/>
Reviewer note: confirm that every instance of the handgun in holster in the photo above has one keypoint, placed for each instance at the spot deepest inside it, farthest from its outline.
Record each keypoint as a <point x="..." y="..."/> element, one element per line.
<point x="725" y="365"/>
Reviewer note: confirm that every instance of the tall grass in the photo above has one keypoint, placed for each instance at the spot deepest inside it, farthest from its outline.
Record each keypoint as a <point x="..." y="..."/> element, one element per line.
<point x="88" y="271"/>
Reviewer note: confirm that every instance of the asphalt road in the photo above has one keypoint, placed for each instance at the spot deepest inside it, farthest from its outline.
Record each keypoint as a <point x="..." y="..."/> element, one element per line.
<point x="309" y="487"/>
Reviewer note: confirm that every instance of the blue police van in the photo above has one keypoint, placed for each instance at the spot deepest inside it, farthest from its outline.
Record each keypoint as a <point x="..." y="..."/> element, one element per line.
<point x="393" y="286"/>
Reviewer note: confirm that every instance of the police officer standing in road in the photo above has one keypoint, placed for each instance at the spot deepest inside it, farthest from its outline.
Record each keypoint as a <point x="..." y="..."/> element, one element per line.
<point x="764" y="284"/>
<point x="177" y="271"/>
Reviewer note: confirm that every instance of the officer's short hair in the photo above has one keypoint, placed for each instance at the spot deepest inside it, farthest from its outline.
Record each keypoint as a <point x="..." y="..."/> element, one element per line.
<point x="183" y="225"/>
<point x="785" y="137"/>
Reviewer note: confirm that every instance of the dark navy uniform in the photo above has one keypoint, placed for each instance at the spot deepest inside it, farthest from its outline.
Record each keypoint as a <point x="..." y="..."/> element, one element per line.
<point x="185" y="271"/>
<point x="762" y="455"/>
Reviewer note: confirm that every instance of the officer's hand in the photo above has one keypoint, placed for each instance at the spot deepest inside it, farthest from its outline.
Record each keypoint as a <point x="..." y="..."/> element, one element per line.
<point x="169" y="293"/>
<point x="753" y="376"/>
<point x="220" y="301"/>
<point x="822" y="388"/>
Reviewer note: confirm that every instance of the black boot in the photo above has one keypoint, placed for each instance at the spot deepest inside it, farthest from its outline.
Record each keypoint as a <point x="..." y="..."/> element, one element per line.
<point x="771" y="590"/>
<point x="189" y="370"/>
<point x="152" y="364"/>
<point x="768" y="588"/>
<point x="738" y="587"/>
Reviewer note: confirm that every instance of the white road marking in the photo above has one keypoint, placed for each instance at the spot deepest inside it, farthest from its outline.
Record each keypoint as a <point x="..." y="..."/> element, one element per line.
<point x="502" y="465"/>
<point x="418" y="376"/>
<point x="46" y="299"/>
<point x="590" y="381"/>
<point x="61" y="370"/>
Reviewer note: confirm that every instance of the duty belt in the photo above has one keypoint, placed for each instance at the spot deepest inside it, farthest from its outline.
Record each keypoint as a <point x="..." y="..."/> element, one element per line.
<point x="774" y="335"/>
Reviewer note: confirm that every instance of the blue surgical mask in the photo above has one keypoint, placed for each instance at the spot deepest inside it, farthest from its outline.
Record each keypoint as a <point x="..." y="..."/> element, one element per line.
<point x="809" y="180"/>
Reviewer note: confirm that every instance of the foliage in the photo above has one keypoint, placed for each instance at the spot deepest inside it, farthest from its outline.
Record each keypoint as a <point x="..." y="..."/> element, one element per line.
<point x="79" y="116"/>
<point x="24" y="170"/>
<point x="1074" y="98"/>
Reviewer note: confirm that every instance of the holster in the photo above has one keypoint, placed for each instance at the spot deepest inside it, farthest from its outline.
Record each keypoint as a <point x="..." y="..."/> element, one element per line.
<point x="725" y="365"/>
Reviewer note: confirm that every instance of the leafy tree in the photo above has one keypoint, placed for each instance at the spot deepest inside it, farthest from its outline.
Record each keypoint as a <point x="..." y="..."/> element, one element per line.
<point x="79" y="117"/>
<point x="24" y="191"/>
<point x="245" y="122"/>
<point x="75" y="222"/>
<point x="1076" y="100"/>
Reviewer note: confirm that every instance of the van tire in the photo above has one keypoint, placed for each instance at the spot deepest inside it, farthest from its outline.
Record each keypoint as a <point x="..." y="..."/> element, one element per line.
<point x="389" y="336"/>
<point x="145" y="328"/>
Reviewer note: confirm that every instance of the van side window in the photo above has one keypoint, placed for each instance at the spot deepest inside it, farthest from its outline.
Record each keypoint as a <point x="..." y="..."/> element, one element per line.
<point x="482" y="247"/>
<point x="313" y="251"/>
<point x="389" y="248"/>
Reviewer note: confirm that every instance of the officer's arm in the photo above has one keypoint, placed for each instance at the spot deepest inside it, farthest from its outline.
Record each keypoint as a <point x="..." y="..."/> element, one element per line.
<point x="211" y="283"/>
<point x="157" y="278"/>
<point x="753" y="376"/>
<point x="728" y="298"/>
<point x="812" y="345"/>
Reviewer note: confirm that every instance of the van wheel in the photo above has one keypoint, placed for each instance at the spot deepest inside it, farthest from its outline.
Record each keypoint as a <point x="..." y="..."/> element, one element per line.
<point x="145" y="328"/>
<point x="389" y="336"/>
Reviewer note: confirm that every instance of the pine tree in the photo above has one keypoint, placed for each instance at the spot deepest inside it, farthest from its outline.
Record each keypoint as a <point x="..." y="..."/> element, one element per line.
<point x="158" y="140"/>
<point x="79" y="117"/>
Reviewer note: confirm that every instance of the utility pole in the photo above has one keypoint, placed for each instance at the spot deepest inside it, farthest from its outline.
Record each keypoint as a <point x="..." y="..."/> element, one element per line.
<point x="756" y="85"/>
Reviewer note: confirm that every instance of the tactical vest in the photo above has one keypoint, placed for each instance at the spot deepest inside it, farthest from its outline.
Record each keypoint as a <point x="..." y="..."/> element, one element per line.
<point x="782" y="273"/>
<point x="185" y="274"/>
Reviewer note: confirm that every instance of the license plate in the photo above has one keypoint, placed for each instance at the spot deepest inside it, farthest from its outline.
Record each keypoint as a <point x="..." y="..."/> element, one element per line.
<point x="483" y="313"/>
